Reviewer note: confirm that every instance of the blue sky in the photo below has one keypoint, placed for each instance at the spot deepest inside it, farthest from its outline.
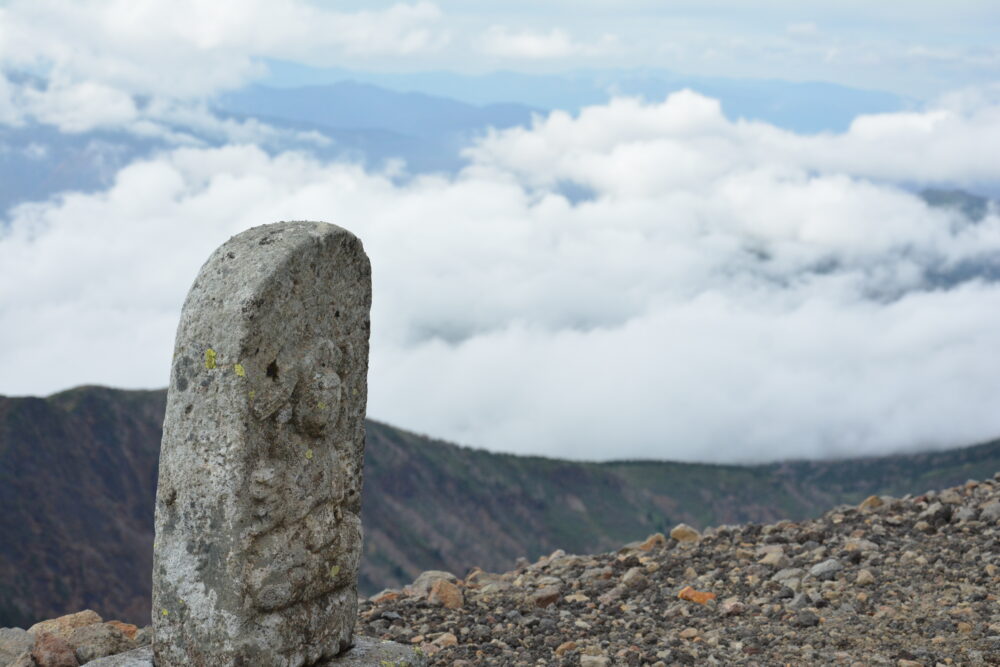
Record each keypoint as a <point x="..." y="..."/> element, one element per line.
<point x="717" y="289"/>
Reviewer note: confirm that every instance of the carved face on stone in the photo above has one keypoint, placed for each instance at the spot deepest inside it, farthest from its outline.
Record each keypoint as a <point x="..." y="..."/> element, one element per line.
<point x="303" y="543"/>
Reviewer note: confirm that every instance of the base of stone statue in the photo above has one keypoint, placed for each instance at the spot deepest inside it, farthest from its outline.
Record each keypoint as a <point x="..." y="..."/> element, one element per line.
<point x="366" y="652"/>
<point x="370" y="651"/>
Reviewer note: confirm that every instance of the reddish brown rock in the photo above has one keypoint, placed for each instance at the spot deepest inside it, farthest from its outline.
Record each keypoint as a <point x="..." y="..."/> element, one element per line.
<point x="65" y="625"/>
<point x="53" y="651"/>
<point x="691" y="595"/>
<point x="543" y="597"/>
<point x="387" y="595"/>
<point x="128" y="629"/>
<point x="565" y="647"/>
<point x="446" y="594"/>
<point x="422" y="585"/>
<point x="654" y="540"/>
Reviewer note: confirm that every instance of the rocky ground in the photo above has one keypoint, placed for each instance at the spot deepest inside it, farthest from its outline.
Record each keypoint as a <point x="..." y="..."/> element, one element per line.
<point x="67" y="641"/>
<point x="894" y="581"/>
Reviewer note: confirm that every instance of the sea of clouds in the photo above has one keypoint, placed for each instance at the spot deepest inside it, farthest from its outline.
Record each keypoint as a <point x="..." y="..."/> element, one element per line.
<point x="641" y="280"/>
<point x="720" y="291"/>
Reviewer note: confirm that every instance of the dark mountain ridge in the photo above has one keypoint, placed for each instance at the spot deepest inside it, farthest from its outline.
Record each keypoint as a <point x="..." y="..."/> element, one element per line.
<point x="78" y="474"/>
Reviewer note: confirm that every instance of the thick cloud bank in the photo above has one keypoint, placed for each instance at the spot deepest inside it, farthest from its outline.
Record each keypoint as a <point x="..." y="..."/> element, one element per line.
<point x="643" y="280"/>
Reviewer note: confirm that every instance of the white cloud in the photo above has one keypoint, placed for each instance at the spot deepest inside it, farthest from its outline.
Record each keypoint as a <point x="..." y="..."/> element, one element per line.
<point x="192" y="48"/>
<point x="730" y="291"/>
<point x="690" y="141"/>
<point x="79" y="107"/>
<point x="504" y="42"/>
<point x="82" y="107"/>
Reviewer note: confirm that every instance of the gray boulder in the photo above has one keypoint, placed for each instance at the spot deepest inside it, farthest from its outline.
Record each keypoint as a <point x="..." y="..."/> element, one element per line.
<point x="14" y="642"/>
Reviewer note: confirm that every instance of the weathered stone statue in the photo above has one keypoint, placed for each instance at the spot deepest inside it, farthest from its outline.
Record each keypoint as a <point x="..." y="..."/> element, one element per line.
<point x="258" y="534"/>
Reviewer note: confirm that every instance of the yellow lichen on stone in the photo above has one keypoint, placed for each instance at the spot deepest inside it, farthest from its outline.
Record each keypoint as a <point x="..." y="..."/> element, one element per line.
<point x="240" y="370"/>
<point x="334" y="571"/>
<point x="309" y="453"/>
<point x="252" y="394"/>
<point x="163" y="611"/>
<point x="209" y="358"/>
<point x="321" y="406"/>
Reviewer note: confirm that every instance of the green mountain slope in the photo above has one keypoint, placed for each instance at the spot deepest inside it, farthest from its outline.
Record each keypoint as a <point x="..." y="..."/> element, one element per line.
<point x="78" y="471"/>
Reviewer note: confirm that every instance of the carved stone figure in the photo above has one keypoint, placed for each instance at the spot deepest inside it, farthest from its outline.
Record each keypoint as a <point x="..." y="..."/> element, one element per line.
<point x="258" y="529"/>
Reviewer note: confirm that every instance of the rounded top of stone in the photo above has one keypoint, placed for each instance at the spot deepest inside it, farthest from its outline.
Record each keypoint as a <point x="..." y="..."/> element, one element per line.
<point x="285" y="233"/>
<point x="250" y="260"/>
<point x="279" y="238"/>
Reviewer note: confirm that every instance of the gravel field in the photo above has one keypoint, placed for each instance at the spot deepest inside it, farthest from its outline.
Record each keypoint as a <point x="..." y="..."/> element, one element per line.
<point x="894" y="581"/>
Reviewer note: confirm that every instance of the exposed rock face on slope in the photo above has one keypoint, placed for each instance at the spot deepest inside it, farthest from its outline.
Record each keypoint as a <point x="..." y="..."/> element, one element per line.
<point x="78" y="473"/>
<point x="904" y="582"/>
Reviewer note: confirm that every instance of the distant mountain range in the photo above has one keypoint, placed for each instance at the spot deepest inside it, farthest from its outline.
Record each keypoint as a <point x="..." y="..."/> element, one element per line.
<point x="78" y="474"/>
<point x="801" y="106"/>
<point x="423" y="119"/>
<point x="348" y="121"/>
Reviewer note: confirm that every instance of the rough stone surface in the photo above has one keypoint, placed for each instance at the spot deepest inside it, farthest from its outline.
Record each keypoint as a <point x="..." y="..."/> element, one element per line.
<point x="447" y="594"/>
<point x="99" y="640"/>
<point x="51" y="650"/>
<point x="685" y="533"/>
<point x="140" y="657"/>
<point x="826" y="569"/>
<point x="370" y="652"/>
<point x="423" y="584"/>
<point x="144" y="636"/>
<point x="130" y="630"/>
<point x="14" y="642"/>
<point x="23" y="660"/>
<point x="65" y="625"/>
<point x="258" y="529"/>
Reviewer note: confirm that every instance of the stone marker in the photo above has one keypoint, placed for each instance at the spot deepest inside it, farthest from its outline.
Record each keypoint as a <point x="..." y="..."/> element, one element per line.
<point x="258" y="533"/>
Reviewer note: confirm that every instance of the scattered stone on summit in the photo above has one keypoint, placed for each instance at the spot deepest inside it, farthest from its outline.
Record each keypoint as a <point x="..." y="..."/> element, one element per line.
<point x="862" y="587"/>
<point x="897" y="597"/>
<point x="258" y="529"/>
<point x="685" y="533"/>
